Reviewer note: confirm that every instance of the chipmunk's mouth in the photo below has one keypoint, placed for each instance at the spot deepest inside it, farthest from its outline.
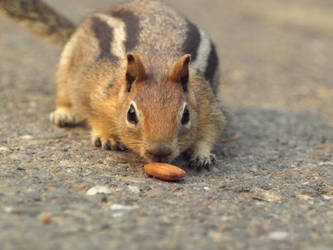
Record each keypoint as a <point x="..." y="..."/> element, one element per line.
<point x="158" y="154"/>
<point x="160" y="151"/>
<point x="158" y="157"/>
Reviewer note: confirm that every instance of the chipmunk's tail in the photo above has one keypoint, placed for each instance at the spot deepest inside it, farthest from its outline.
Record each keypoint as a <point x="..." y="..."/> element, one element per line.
<point x="39" y="18"/>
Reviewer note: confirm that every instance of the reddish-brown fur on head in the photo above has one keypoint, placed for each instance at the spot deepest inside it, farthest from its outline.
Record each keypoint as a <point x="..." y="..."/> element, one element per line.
<point x="157" y="133"/>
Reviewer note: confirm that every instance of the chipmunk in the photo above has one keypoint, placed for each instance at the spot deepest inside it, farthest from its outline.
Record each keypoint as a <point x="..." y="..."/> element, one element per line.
<point x="140" y="74"/>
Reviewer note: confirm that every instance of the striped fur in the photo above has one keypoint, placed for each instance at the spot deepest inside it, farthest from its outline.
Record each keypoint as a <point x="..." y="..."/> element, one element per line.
<point x="117" y="43"/>
<point x="131" y="24"/>
<point x="105" y="35"/>
<point x="202" y="51"/>
<point x="93" y="80"/>
<point x="39" y="18"/>
<point x="192" y="42"/>
<point x="128" y="28"/>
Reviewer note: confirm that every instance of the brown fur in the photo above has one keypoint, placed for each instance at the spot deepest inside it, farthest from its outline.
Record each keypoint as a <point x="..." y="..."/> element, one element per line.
<point x="39" y="18"/>
<point x="159" y="102"/>
<point x="133" y="55"/>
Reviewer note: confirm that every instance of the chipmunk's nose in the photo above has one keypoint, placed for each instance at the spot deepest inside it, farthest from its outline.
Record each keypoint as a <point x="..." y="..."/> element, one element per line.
<point x="159" y="152"/>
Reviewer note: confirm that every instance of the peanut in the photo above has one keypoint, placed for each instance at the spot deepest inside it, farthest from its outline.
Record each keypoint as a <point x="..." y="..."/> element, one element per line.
<point x="164" y="171"/>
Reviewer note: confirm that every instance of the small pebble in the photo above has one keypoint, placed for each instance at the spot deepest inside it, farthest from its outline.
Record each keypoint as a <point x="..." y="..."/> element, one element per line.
<point x="4" y="149"/>
<point x="134" y="189"/>
<point x="254" y="168"/>
<point x="119" y="207"/>
<point x="118" y="214"/>
<point x="8" y="209"/>
<point x="46" y="218"/>
<point x="32" y="104"/>
<point x="26" y="137"/>
<point x="99" y="190"/>
<point x="327" y="197"/>
<point x="278" y="235"/>
<point x="323" y="163"/>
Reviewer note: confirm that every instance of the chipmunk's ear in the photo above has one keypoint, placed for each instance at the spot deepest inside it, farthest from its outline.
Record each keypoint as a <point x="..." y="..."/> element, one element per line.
<point x="180" y="72"/>
<point x="135" y="70"/>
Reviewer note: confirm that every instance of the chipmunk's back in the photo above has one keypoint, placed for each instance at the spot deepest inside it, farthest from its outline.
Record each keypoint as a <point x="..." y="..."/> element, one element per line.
<point x="158" y="33"/>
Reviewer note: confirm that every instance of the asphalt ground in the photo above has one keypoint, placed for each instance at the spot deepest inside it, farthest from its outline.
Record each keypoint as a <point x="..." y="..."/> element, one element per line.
<point x="272" y="188"/>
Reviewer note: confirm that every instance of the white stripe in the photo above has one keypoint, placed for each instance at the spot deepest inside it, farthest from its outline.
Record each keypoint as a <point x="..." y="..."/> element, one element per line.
<point x="119" y="35"/>
<point x="203" y="51"/>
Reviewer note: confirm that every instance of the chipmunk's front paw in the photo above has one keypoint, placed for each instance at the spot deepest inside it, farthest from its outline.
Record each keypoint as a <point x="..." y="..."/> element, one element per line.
<point x="120" y="147"/>
<point x="202" y="161"/>
<point x="107" y="144"/>
<point x="104" y="143"/>
<point x="64" y="117"/>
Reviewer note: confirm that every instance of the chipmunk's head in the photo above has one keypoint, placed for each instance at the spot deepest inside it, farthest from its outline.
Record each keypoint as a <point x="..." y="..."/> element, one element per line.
<point x="158" y="113"/>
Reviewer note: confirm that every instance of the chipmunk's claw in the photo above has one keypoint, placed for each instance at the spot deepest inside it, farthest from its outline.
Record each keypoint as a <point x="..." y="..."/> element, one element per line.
<point x="107" y="144"/>
<point x="201" y="162"/>
<point x="102" y="142"/>
<point x="120" y="147"/>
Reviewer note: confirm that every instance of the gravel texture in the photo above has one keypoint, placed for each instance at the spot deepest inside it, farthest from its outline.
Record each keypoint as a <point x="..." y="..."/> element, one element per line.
<point x="272" y="188"/>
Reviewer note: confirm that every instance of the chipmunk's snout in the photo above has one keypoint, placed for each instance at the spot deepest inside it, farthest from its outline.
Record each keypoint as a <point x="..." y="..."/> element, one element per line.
<point x="159" y="152"/>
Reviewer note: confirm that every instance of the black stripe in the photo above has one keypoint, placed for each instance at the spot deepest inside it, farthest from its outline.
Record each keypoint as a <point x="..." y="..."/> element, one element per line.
<point x="192" y="42"/>
<point x="132" y="28"/>
<point x="104" y="34"/>
<point x="212" y="64"/>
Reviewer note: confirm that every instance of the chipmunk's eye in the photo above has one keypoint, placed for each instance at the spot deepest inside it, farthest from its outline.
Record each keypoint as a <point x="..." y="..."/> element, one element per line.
<point x="131" y="115"/>
<point x="186" y="116"/>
